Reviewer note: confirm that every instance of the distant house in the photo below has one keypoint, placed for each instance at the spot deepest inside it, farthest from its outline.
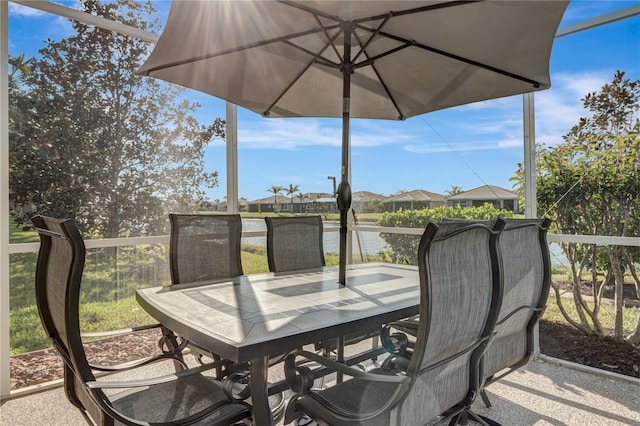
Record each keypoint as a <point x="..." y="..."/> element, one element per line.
<point x="308" y="203"/>
<point x="498" y="197"/>
<point x="320" y="202"/>
<point x="367" y="202"/>
<point x="269" y="204"/>
<point x="242" y="205"/>
<point x="414" y="200"/>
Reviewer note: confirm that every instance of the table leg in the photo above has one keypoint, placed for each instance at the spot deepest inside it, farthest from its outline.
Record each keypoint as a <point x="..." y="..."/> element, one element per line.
<point x="340" y="357"/>
<point x="259" y="391"/>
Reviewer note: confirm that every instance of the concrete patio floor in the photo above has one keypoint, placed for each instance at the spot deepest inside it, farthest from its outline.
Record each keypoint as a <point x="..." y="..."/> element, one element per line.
<point x="541" y="393"/>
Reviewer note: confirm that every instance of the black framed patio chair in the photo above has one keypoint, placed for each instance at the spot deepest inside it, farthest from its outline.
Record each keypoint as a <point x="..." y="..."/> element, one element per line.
<point x="460" y="292"/>
<point x="527" y="279"/>
<point x="294" y="243"/>
<point x="204" y="247"/>
<point x="526" y="270"/>
<point x="189" y="396"/>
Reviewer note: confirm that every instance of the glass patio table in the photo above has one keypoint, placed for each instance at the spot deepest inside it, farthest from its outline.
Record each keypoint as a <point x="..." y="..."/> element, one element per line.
<point x="251" y="317"/>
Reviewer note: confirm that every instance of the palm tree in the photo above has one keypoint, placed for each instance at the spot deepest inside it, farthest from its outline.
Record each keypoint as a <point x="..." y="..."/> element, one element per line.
<point x="19" y="67"/>
<point x="275" y="190"/>
<point x="300" y="197"/>
<point x="292" y="190"/>
<point x="454" y="190"/>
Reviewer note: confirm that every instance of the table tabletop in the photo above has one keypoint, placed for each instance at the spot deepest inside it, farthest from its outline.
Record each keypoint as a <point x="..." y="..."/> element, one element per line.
<point x="263" y="314"/>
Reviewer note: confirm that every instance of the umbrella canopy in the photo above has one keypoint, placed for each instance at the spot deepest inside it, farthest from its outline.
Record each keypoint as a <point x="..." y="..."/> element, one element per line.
<point x="363" y="59"/>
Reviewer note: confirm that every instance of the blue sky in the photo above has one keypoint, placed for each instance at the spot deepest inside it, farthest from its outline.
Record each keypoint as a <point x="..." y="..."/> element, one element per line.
<point x="467" y="146"/>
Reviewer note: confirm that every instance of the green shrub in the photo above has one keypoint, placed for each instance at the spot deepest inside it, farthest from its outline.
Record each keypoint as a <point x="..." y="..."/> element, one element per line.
<point x="401" y="248"/>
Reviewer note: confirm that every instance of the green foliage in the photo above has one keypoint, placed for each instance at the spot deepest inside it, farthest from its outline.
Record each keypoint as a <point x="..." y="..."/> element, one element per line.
<point x="90" y="139"/>
<point x="589" y="184"/>
<point x="553" y="313"/>
<point x="401" y="248"/>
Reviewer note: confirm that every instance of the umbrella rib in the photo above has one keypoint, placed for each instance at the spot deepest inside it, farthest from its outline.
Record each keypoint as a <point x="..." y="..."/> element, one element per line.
<point x="314" y="59"/>
<point x="235" y="50"/>
<point x="371" y="61"/>
<point x="331" y="40"/>
<point x="535" y="84"/>
<point x="416" y="10"/>
<point x="377" y="17"/>
<point x="375" y="33"/>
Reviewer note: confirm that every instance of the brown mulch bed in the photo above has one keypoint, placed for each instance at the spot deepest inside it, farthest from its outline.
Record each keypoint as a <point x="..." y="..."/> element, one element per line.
<point x="564" y="341"/>
<point x="43" y="366"/>
<point x="556" y="340"/>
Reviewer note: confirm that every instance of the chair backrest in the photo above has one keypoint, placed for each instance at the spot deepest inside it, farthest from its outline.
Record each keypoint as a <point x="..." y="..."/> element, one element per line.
<point x="461" y="290"/>
<point x="294" y="243"/>
<point x="59" y="271"/>
<point x="527" y="278"/>
<point x="204" y="247"/>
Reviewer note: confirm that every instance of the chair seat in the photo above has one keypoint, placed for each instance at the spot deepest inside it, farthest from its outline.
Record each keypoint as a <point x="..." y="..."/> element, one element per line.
<point x="176" y="400"/>
<point x="352" y="396"/>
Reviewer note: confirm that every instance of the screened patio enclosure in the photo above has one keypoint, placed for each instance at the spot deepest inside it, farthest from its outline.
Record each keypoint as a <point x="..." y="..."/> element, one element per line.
<point x="10" y="250"/>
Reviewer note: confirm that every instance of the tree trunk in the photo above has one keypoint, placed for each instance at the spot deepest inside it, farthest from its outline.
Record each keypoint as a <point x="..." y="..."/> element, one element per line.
<point x="619" y="291"/>
<point x="632" y="269"/>
<point x="634" y="337"/>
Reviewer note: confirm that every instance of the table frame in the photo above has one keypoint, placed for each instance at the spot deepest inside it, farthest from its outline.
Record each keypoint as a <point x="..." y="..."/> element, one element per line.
<point x="251" y="317"/>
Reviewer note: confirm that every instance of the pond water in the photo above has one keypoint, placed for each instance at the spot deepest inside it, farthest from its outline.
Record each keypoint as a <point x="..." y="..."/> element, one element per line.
<point x="370" y="242"/>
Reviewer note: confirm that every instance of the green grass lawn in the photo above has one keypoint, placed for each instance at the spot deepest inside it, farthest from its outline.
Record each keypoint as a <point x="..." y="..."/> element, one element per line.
<point x="111" y="279"/>
<point x="606" y="314"/>
<point x="18" y="235"/>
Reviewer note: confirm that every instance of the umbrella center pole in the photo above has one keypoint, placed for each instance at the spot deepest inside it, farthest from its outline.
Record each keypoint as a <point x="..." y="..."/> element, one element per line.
<point x="344" y="189"/>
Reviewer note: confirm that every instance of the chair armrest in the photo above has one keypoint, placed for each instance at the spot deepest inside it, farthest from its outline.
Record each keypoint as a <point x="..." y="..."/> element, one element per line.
<point x="154" y="380"/>
<point x="139" y="363"/>
<point x="300" y="378"/>
<point x="409" y="325"/>
<point x="119" y="332"/>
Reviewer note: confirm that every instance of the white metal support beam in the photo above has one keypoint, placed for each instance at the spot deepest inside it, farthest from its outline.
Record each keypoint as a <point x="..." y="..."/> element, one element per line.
<point x="598" y="21"/>
<point x="5" y="350"/>
<point x="530" y="197"/>
<point x="529" y="123"/>
<point x="88" y="18"/>
<point x="232" y="158"/>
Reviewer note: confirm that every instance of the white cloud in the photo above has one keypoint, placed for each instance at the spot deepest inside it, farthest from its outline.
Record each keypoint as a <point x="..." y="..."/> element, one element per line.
<point x="498" y="125"/>
<point x="290" y="134"/>
<point x="20" y="10"/>
<point x="286" y="134"/>
<point x="507" y="102"/>
<point x="560" y="108"/>
<point x="430" y="148"/>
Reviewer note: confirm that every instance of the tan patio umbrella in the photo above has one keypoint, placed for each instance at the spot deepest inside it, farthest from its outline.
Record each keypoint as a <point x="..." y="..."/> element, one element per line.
<point x="364" y="59"/>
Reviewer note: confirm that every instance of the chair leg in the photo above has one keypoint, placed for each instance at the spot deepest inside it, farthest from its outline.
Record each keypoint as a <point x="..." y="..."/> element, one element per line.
<point x="485" y="398"/>
<point x="454" y="420"/>
<point x="484" y="421"/>
<point x="169" y="343"/>
<point x="463" y="418"/>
